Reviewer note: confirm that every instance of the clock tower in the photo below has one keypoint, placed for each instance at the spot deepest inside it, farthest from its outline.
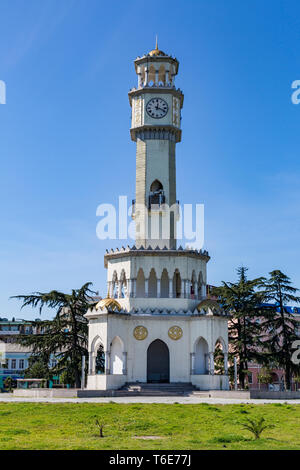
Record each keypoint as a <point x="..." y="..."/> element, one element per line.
<point x="156" y="324"/>
<point x="155" y="127"/>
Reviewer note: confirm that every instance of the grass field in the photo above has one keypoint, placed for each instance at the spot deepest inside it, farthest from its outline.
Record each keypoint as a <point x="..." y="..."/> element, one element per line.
<point x="203" y="426"/>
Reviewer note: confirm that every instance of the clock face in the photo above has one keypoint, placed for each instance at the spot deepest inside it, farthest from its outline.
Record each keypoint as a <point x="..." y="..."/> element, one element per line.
<point x="157" y="108"/>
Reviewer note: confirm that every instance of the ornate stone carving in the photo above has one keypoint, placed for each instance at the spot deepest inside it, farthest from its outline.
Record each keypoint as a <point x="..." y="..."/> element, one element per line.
<point x="140" y="332"/>
<point x="175" y="332"/>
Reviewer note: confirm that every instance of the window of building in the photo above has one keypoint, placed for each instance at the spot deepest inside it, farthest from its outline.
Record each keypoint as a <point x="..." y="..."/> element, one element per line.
<point x="250" y="378"/>
<point x="13" y="363"/>
<point x="21" y="364"/>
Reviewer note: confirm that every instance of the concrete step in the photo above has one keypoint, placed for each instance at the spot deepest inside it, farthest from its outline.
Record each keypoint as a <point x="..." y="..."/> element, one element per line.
<point x="156" y="389"/>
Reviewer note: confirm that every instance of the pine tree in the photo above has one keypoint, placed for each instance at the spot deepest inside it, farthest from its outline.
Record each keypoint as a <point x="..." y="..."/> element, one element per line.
<point x="66" y="335"/>
<point x="242" y="301"/>
<point x="281" y="325"/>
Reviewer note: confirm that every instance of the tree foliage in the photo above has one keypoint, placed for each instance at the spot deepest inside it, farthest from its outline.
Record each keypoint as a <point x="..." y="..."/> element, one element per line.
<point x="280" y="325"/>
<point x="242" y="301"/>
<point x="66" y="336"/>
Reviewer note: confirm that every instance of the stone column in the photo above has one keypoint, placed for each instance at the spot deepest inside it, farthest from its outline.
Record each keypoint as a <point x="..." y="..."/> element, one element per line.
<point x="226" y="363"/>
<point x="146" y="76"/>
<point x="203" y="291"/>
<point x="133" y="288"/>
<point x="182" y="289"/>
<point x="146" y="287"/>
<point x="90" y="363"/>
<point x="129" y="288"/>
<point x="196" y="290"/>
<point x="119" y="289"/>
<point x="109" y="288"/>
<point x="139" y="80"/>
<point x="211" y="363"/>
<point x="107" y="362"/>
<point x="192" y="361"/>
<point x="156" y="77"/>
<point x="124" y="363"/>
<point x="170" y="288"/>
<point x="158" y="288"/>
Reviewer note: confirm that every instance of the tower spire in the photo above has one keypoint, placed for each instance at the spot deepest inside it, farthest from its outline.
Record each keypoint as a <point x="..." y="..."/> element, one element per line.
<point x="156" y="44"/>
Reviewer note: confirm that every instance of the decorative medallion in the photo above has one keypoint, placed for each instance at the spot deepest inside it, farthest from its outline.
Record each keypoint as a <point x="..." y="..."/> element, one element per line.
<point x="175" y="332"/>
<point x="140" y="333"/>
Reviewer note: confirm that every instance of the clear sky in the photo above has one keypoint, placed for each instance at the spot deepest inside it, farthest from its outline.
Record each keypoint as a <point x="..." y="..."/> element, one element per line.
<point x="65" y="144"/>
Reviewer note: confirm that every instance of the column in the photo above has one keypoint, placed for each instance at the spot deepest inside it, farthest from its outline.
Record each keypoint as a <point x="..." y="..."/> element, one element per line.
<point x="139" y="80"/>
<point x="203" y="291"/>
<point x="107" y="362"/>
<point x="146" y="287"/>
<point x="196" y="290"/>
<point x="211" y="363"/>
<point x="226" y="363"/>
<point x="146" y="77"/>
<point x="128" y="282"/>
<point x="182" y="289"/>
<point x="156" y="77"/>
<point x="124" y="363"/>
<point x="192" y="362"/>
<point x="133" y="287"/>
<point x="90" y="363"/>
<point x="158" y="288"/>
<point x="170" y="288"/>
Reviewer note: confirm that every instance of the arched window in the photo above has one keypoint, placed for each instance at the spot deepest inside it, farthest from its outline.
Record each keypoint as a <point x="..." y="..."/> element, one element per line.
<point x="156" y="186"/>
<point x="219" y="357"/>
<point x="123" y="285"/>
<point x="177" y="284"/>
<point x="152" y="284"/>
<point x="201" y="356"/>
<point x="115" y="285"/>
<point x="140" y="284"/>
<point x="151" y="75"/>
<point x="100" y="360"/>
<point x="162" y="75"/>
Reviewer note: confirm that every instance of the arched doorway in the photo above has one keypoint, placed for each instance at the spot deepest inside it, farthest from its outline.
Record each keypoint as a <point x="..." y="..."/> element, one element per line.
<point x="158" y="362"/>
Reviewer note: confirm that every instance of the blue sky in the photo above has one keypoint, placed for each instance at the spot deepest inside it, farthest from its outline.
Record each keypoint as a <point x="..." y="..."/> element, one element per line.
<point x="65" y="144"/>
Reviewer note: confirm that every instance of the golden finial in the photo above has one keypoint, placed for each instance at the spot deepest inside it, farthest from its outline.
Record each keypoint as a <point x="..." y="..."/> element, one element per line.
<point x="156" y="44"/>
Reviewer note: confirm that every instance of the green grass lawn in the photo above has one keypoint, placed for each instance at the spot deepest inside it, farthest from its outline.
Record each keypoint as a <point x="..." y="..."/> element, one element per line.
<point x="203" y="426"/>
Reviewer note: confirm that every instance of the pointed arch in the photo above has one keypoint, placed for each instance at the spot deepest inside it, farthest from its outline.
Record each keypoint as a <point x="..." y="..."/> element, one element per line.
<point x="156" y="186"/>
<point x="151" y="75"/>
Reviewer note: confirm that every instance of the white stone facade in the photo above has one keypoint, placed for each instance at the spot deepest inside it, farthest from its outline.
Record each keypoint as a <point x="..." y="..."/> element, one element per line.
<point x="155" y="325"/>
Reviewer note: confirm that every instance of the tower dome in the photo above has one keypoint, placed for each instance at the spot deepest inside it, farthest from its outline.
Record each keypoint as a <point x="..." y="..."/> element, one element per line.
<point x="156" y="52"/>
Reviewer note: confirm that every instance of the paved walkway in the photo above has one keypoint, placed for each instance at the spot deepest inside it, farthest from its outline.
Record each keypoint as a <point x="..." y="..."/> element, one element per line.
<point x="8" y="397"/>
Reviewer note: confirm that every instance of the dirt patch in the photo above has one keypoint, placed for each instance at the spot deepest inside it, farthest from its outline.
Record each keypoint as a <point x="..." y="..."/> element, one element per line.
<point x="148" y="437"/>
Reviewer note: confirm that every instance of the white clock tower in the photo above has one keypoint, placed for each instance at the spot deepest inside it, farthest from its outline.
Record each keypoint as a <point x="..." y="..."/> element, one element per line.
<point x="156" y="324"/>
<point x="155" y="127"/>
